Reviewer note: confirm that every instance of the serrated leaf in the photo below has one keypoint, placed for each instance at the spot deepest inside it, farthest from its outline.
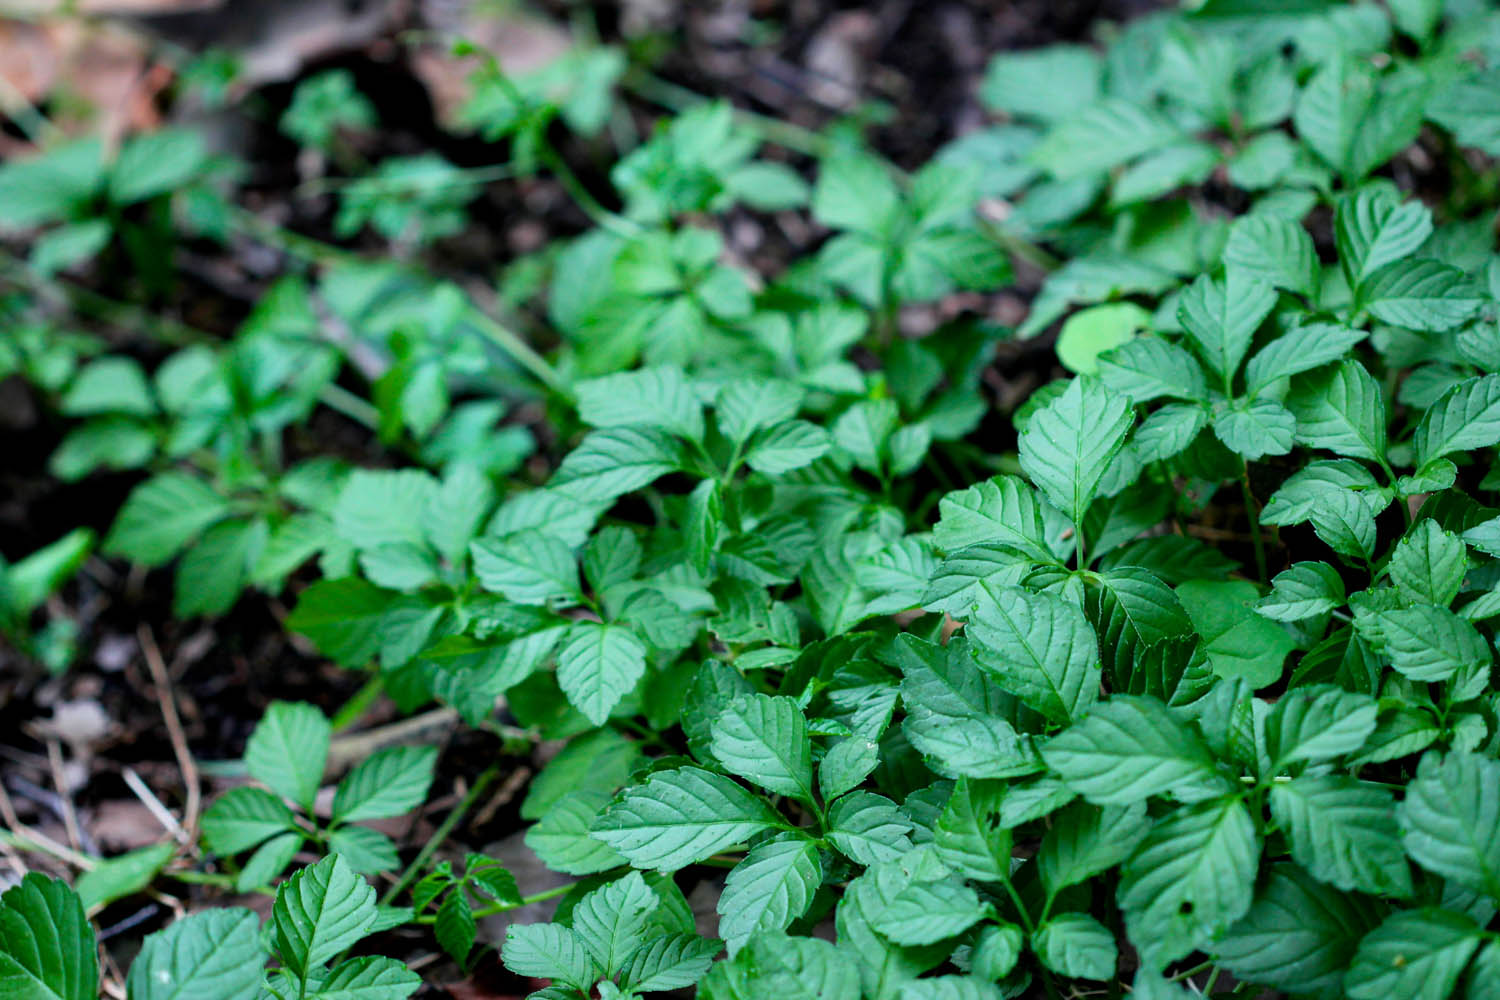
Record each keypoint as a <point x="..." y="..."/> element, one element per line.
<point x="1077" y="945"/>
<point x="1421" y="295"/>
<point x="786" y="447"/>
<point x="598" y="665"/>
<point x="369" y="978"/>
<point x="677" y="818"/>
<point x="1255" y="428"/>
<point x="1148" y="368"/>
<point x="764" y="739"/>
<point x="868" y="828"/>
<point x="1373" y="228"/>
<point x="1343" y="410"/>
<point x="1041" y="647"/>
<point x="611" y="920"/>
<point x="1318" y="723"/>
<point x="1003" y="510"/>
<point x="529" y="567"/>
<point x="1221" y="317"/>
<point x="454" y="927"/>
<point x="928" y="912"/>
<point x="1192" y="877"/>
<point x="213" y="955"/>
<point x="289" y="750"/>
<point x="616" y="460"/>
<point x="161" y="516"/>
<point x="659" y="396"/>
<point x="1430" y="644"/>
<point x="1298" y="936"/>
<point x="1428" y="565"/>
<point x="1450" y="819"/>
<point x="1415" y="955"/>
<point x="1085" y="841"/>
<point x="769" y="889"/>
<point x="1274" y="250"/>
<point x="968" y="835"/>
<point x="562" y="839"/>
<point x="549" y="951"/>
<point x="1303" y="349"/>
<point x="1466" y="418"/>
<point x="1239" y="644"/>
<point x="320" y="911"/>
<point x="1344" y="832"/>
<point x="1101" y="136"/>
<point x="343" y="618"/>
<point x="1069" y="444"/>
<point x="1129" y="748"/>
<point x="47" y="946"/>
<point x="1303" y="591"/>
<point x="388" y="783"/>
<point x="243" y="817"/>
<point x="670" y="962"/>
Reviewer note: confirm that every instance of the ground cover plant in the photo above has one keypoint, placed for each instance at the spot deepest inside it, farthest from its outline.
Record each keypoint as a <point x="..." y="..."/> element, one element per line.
<point x="862" y="645"/>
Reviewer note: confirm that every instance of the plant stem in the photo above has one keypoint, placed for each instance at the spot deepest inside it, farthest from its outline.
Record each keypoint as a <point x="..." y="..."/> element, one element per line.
<point x="494" y="908"/>
<point x="1250" y="514"/>
<point x="439" y="835"/>
<point x="355" y="707"/>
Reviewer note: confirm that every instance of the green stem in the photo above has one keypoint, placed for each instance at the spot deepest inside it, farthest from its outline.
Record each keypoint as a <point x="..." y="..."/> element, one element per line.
<point x="584" y="198"/>
<point x="449" y="823"/>
<point x="355" y="708"/>
<point x="494" y="908"/>
<point x="1250" y="514"/>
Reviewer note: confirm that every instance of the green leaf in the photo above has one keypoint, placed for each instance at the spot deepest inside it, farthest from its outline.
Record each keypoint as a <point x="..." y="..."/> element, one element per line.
<point x="1414" y="955"/>
<point x="1221" y="317"/>
<point x="704" y="523"/>
<point x="212" y="955"/>
<point x="1162" y="171"/>
<point x="1429" y="564"/>
<point x="764" y="739"/>
<point x="243" y="817"/>
<point x="390" y="782"/>
<point x="1041" y="647"/>
<point x="289" y="750"/>
<point x="1304" y="591"/>
<point x="769" y="889"/>
<point x="926" y="912"/>
<point x="787" y="446"/>
<point x="598" y="665"/>
<point x="153" y="163"/>
<point x="1463" y="106"/>
<point x="611" y="920"/>
<point x="1450" y="819"/>
<point x="51" y="187"/>
<point x="956" y="715"/>
<point x="868" y="828"/>
<point x="214" y="570"/>
<point x="367" y="851"/>
<point x="320" y="911"/>
<point x="109" y="385"/>
<point x="1303" y="349"/>
<point x="1430" y="644"/>
<point x="1069" y="444"/>
<point x="47" y="946"/>
<point x="1373" y="228"/>
<point x="1274" y="250"/>
<point x="122" y="876"/>
<point x="670" y="962"/>
<point x="1128" y="748"/>
<point x="549" y="951"/>
<point x="384" y="507"/>
<point x="1004" y="510"/>
<point x="1046" y="83"/>
<point x="370" y="978"/>
<point x="1298" y="936"/>
<point x="659" y="397"/>
<point x="1085" y="841"/>
<point x="1101" y="136"/>
<point x="1465" y="418"/>
<point x="788" y="968"/>
<point x="1421" y="295"/>
<point x="1341" y="409"/>
<point x="1238" y="643"/>
<point x="968" y="835"/>
<point x="1091" y="332"/>
<point x="1192" y="877"/>
<point x="343" y="618"/>
<point x="678" y="818"/>
<point x="854" y="191"/>
<point x="528" y="567"/>
<point x="1075" y="944"/>
<point x="1148" y="367"/>
<point x="1318" y="723"/>
<point x="562" y="839"/>
<point x="747" y="405"/>
<point x="30" y="581"/>
<point x="1255" y="428"/>
<point x="1344" y="832"/>
<point x="161" y="516"/>
<point x="615" y="461"/>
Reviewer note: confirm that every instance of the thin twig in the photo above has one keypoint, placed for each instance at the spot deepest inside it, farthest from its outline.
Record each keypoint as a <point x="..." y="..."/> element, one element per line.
<point x="185" y="762"/>
<point x="450" y="822"/>
<point x="25" y="838"/>
<point x="154" y="806"/>
<point x="64" y="800"/>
